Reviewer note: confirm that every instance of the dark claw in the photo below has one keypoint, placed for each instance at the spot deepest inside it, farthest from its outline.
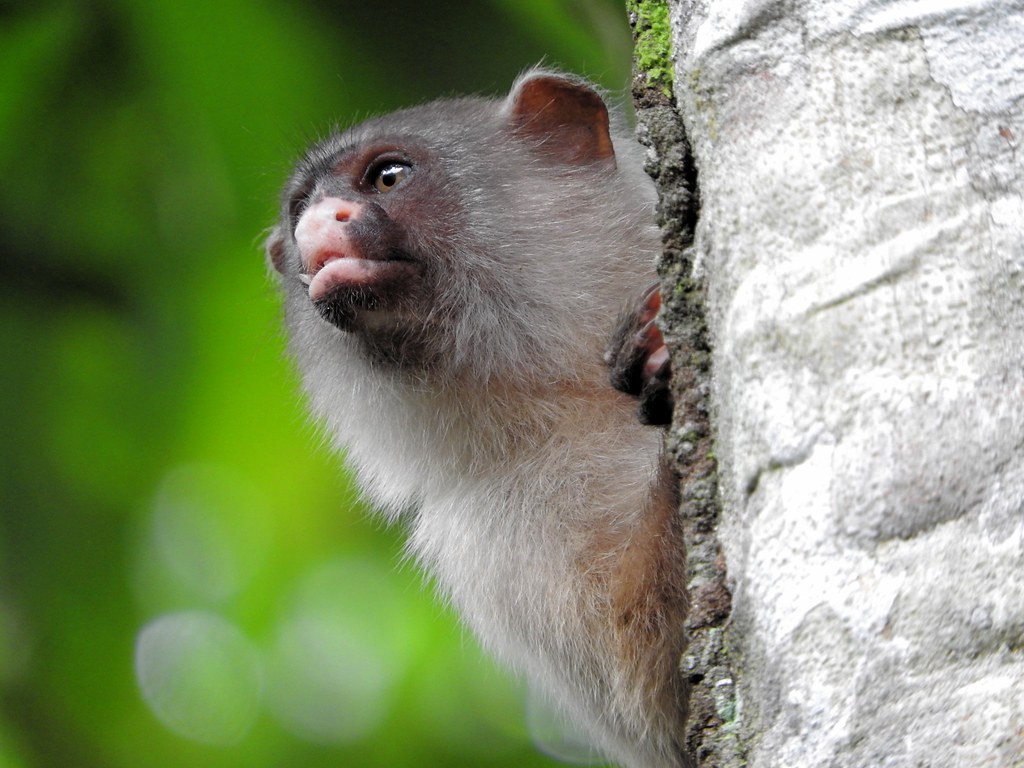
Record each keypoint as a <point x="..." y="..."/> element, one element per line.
<point x="639" y="360"/>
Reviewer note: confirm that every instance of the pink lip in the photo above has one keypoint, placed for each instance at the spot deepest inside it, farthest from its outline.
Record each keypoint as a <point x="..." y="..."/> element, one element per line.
<point x="336" y="272"/>
<point x="323" y="257"/>
<point x="335" y="266"/>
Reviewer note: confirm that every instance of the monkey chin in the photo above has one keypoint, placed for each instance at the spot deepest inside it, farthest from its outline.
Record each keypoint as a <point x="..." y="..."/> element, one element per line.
<point x="342" y="307"/>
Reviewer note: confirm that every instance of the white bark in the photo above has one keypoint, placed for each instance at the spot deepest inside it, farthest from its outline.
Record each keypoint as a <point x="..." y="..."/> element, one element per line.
<point x="861" y="232"/>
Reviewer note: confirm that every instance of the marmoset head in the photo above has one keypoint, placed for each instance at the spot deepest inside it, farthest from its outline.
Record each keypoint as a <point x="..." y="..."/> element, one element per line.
<point x="464" y="234"/>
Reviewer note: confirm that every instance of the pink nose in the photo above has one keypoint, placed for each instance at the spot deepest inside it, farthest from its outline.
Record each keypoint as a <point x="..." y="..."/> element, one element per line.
<point x="321" y="231"/>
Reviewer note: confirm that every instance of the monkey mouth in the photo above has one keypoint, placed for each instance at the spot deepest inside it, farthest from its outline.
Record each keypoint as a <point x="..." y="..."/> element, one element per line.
<point x="352" y="273"/>
<point x="345" y="289"/>
<point x="339" y="273"/>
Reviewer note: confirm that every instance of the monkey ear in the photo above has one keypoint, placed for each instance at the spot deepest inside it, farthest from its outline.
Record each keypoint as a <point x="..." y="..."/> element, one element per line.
<point x="566" y="118"/>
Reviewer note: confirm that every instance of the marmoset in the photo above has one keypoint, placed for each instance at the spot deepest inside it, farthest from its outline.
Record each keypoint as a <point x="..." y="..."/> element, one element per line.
<point x="464" y="280"/>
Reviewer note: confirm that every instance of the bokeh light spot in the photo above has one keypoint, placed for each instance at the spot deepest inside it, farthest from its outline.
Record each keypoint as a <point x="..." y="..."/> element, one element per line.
<point x="200" y="676"/>
<point x="210" y="529"/>
<point x="337" y="653"/>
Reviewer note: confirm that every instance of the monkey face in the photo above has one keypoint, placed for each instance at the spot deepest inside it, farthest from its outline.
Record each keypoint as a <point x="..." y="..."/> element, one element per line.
<point x="362" y="233"/>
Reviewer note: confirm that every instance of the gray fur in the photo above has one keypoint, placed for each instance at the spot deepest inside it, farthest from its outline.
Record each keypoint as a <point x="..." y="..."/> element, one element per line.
<point x="495" y="429"/>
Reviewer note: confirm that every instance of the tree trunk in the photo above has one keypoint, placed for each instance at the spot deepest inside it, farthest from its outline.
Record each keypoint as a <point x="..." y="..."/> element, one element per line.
<point x="845" y="296"/>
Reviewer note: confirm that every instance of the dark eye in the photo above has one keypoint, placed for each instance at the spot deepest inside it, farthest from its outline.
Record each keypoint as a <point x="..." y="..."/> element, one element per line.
<point x="389" y="175"/>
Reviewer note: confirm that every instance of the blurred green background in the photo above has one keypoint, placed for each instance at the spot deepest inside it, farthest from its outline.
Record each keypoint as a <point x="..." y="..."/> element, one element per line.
<point x="186" y="578"/>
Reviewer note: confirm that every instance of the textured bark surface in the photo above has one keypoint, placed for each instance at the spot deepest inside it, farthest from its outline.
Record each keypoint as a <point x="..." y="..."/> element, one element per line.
<point x="712" y="713"/>
<point x="859" y="251"/>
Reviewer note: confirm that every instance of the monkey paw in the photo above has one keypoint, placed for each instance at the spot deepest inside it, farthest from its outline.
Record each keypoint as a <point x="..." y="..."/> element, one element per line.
<point x="639" y="360"/>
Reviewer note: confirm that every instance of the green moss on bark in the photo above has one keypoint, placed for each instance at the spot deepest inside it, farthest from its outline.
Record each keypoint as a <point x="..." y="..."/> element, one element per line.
<point x="653" y="50"/>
